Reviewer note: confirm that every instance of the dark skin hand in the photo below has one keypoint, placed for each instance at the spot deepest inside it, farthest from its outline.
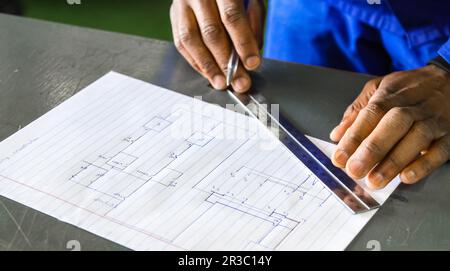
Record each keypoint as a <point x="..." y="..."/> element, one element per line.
<point x="203" y="31"/>
<point x="399" y="124"/>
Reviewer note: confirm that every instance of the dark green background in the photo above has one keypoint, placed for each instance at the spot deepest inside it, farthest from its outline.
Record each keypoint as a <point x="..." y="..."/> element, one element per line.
<point x="138" y="17"/>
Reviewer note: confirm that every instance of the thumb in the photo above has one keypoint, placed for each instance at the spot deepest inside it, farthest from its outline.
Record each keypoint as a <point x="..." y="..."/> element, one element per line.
<point x="353" y="110"/>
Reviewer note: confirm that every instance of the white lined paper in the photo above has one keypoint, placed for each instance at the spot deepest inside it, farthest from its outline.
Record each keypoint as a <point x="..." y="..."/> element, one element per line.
<point x="108" y="160"/>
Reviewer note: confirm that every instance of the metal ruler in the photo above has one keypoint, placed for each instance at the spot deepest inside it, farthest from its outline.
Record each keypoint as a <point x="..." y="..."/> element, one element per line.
<point x="344" y="188"/>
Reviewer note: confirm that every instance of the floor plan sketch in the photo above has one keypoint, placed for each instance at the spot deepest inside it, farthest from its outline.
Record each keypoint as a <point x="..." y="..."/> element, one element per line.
<point x="146" y="168"/>
<point x="119" y="169"/>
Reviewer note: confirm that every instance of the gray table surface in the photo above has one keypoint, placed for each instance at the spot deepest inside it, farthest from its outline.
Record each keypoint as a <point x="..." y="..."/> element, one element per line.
<point x="42" y="64"/>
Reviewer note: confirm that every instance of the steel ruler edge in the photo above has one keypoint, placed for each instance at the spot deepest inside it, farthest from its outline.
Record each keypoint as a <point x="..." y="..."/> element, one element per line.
<point x="343" y="187"/>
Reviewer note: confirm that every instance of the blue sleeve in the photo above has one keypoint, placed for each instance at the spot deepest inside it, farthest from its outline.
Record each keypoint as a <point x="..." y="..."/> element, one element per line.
<point x="444" y="51"/>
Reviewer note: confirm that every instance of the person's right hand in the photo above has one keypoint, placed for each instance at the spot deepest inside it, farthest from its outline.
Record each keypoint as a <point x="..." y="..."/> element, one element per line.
<point x="202" y="31"/>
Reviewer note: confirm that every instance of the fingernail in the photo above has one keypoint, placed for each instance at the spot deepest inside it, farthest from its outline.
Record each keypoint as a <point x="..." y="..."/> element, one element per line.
<point x="356" y="168"/>
<point x="241" y="84"/>
<point x="410" y="176"/>
<point x="341" y="157"/>
<point x="219" y="82"/>
<point x="377" y="179"/>
<point x="252" y="62"/>
<point x="333" y="135"/>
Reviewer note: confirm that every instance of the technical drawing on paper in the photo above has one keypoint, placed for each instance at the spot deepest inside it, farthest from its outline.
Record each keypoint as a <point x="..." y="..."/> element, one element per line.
<point x="117" y="173"/>
<point x="121" y="170"/>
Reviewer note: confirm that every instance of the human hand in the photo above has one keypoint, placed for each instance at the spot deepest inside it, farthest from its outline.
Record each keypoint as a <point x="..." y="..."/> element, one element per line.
<point x="204" y="29"/>
<point x="400" y="123"/>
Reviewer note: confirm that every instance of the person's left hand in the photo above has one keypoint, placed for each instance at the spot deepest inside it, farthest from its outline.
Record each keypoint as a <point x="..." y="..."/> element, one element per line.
<point x="400" y="123"/>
